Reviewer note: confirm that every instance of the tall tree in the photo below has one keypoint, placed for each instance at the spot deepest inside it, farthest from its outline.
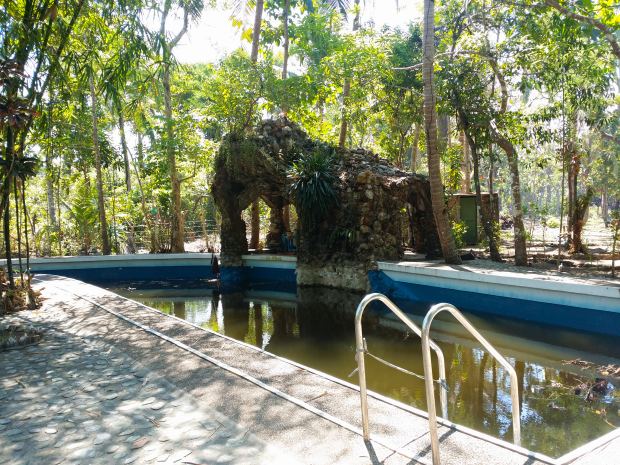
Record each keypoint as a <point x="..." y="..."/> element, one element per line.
<point x="513" y="163"/>
<point x="346" y="88"/>
<point x="255" y="220"/>
<point x="165" y="45"/>
<point x="33" y="39"/>
<point x="103" y="223"/>
<point x="440" y="212"/>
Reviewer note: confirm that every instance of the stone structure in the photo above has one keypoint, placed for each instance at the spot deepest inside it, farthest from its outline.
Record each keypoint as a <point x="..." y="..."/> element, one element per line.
<point x="365" y="225"/>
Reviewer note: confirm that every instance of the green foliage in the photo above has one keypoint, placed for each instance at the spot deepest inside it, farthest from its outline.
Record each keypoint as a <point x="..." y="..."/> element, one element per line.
<point x="234" y="92"/>
<point x="313" y="185"/>
<point x="84" y="215"/>
<point x="451" y="158"/>
<point x="459" y="229"/>
<point x="558" y="72"/>
<point x="399" y="95"/>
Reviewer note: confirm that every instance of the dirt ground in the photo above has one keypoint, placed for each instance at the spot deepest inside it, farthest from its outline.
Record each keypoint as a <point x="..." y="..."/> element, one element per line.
<point x="543" y="250"/>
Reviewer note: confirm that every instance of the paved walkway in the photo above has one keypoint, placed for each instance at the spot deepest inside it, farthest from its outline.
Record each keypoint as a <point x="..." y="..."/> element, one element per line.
<point x="74" y="400"/>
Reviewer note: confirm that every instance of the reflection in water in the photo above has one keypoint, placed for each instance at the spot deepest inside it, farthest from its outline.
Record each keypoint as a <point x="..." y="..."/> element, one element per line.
<point x="179" y="309"/>
<point x="316" y="329"/>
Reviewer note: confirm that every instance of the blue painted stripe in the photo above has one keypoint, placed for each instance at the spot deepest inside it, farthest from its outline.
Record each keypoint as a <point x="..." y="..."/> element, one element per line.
<point x="133" y="273"/>
<point x="595" y="321"/>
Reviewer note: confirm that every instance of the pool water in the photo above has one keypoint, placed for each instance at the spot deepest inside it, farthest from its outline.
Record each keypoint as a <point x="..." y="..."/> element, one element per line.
<point x="559" y="408"/>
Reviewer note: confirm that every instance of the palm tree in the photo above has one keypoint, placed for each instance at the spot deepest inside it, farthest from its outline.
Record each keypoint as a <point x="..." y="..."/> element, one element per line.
<point x="430" y="124"/>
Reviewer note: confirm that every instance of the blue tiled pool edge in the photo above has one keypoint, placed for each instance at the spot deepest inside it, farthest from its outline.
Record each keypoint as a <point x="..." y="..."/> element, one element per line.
<point x="583" y="307"/>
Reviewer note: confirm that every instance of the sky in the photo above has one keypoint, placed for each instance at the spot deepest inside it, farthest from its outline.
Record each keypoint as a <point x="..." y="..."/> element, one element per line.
<point x="213" y="36"/>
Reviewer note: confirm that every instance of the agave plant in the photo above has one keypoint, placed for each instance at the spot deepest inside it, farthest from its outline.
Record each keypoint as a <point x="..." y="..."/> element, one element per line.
<point x="314" y="186"/>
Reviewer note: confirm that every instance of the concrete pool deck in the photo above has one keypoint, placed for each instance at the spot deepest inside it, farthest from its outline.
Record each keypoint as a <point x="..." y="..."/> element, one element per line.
<point x="273" y="411"/>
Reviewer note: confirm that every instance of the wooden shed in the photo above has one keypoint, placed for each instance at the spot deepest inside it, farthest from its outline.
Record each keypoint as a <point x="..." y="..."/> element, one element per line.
<point x="463" y="207"/>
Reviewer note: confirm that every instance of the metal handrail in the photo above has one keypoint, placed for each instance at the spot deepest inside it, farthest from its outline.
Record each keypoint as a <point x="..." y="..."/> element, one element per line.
<point x="360" y="343"/>
<point x="428" y="373"/>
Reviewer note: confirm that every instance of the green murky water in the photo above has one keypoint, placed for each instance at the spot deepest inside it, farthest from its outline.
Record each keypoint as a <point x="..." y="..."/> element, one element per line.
<point x="559" y="411"/>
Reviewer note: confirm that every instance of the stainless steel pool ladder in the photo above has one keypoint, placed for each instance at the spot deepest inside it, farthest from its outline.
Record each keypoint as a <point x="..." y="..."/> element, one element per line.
<point x="361" y="349"/>
<point x="427" y="344"/>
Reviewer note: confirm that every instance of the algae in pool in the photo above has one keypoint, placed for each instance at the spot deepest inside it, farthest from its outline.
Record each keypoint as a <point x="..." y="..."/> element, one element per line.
<point x="561" y="407"/>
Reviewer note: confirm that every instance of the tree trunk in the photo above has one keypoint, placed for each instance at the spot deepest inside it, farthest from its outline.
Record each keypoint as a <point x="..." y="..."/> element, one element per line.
<point x="465" y="166"/>
<point x="575" y="243"/>
<point x="59" y="205"/>
<point x="49" y="178"/>
<point x="615" y="225"/>
<point x="346" y="88"/>
<point x="145" y="212"/>
<point x="103" y="223"/>
<point x="258" y="17"/>
<point x="131" y="243"/>
<point x="121" y="129"/>
<point x="177" y="239"/>
<point x="287" y="7"/>
<point x="605" y="203"/>
<point x="140" y="149"/>
<point x="430" y="125"/>
<point x="9" y="154"/>
<point x="51" y="210"/>
<point x="7" y="238"/>
<point x="346" y="91"/>
<point x="401" y="151"/>
<point x="487" y="218"/>
<point x="286" y="210"/>
<point x="49" y="184"/>
<point x="573" y="170"/>
<point x="579" y="221"/>
<point x="255" y="225"/>
<point x="443" y="132"/>
<point x="513" y="164"/>
<point x="255" y="211"/>
<point x="18" y="228"/>
<point x="415" y="149"/>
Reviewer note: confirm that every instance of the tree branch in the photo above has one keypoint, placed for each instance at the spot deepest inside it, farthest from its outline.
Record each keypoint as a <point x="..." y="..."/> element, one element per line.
<point x="607" y="32"/>
<point x="183" y="30"/>
<point x="502" y="82"/>
<point x="610" y="137"/>
<point x="450" y="54"/>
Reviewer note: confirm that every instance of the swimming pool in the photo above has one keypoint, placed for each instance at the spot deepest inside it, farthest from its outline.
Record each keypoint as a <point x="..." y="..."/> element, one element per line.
<point x="560" y="408"/>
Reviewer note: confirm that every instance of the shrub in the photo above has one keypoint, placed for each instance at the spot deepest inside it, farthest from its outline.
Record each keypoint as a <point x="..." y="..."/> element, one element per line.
<point x="459" y="229"/>
<point x="314" y="186"/>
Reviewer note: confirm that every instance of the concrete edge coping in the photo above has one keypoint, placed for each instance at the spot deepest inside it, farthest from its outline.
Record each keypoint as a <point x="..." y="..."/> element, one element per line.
<point x="134" y="259"/>
<point x="415" y="411"/>
<point x="113" y="258"/>
<point x="589" y="447"/>
<point x="271" y="261"/>
<point x="506" y="278"/>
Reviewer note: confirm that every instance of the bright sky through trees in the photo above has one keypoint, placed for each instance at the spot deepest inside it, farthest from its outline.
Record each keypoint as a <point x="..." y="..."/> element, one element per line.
<point x="214" y="36"/>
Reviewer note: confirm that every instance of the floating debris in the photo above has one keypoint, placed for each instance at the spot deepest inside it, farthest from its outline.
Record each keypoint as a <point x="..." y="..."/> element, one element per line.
<point x="604" y="370"/>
